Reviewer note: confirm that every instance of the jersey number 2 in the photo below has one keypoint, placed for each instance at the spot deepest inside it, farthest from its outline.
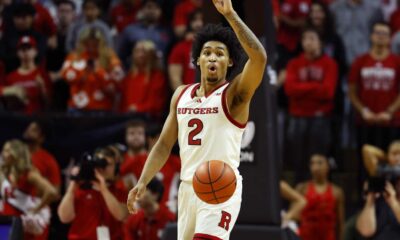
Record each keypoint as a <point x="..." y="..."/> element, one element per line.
<point x="198" y="124"/>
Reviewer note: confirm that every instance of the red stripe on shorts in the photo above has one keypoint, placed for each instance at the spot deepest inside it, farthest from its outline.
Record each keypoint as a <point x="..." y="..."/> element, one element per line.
<point x="202" y="236"/>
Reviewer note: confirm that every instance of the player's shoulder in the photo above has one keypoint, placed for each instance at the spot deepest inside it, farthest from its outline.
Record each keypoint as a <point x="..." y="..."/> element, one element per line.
<point x="179" y="92"/>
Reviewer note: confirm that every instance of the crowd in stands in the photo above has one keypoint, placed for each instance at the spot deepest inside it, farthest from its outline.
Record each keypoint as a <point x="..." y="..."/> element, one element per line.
<point x="337" y="63"/>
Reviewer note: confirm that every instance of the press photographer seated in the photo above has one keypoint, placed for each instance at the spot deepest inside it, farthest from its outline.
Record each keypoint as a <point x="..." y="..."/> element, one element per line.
<point x="380" y="217"/>
<point x="94" y="202"/>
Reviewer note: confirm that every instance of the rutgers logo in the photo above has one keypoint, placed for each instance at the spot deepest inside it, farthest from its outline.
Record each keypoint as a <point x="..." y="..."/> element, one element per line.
<point x="225" y="220"/>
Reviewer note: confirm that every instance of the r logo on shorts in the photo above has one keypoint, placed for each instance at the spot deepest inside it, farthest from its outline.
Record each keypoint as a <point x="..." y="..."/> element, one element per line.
<point x="225" y="220"/>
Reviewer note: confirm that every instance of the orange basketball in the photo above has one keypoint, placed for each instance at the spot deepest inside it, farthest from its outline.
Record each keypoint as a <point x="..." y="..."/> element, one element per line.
<point x="214" y="182"/>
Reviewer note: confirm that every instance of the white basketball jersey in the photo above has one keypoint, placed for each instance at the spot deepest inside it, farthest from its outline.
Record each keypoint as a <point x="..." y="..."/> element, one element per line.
<point x="206" y="131"/>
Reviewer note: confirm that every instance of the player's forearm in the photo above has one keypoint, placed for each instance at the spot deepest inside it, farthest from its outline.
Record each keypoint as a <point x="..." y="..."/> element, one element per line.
<point x="66" y="210"/>
<point x="247" y="39"/>
<point x="155" y="161"/>
<point x="117" y="209"/>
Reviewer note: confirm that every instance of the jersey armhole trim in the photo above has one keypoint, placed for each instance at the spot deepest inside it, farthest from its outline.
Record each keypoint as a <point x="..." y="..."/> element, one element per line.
<point x="226" y="111"/>
<point x="181" y="94"/>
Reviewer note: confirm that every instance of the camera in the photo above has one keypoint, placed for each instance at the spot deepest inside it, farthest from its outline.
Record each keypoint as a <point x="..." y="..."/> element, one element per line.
<point x="88" y="163"/>
<point x="385" y="173"/>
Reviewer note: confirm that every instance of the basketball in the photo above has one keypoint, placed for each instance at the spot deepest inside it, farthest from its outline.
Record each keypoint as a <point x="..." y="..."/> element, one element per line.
<point x="214" y="182"/>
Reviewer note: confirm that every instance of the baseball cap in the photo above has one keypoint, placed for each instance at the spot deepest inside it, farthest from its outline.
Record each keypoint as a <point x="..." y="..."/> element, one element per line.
<point x="26" y="41"/>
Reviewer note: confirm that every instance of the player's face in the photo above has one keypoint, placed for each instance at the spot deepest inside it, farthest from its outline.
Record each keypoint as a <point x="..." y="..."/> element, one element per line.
<point x="319" y="167"/>
<point x="214" y="61"/>
<point x="394" y="154"/>
<point x="33" y="133"/>
<point x="135" y="137"/>
<point x="380" y="35"/>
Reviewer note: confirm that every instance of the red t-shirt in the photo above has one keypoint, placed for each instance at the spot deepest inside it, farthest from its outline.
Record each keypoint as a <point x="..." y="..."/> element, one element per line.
<point x="169" y="173"/>
<point x="377" y="82"/>
<point x="295" y="9"/>
<point x="310" y="86"/>
<point x="122" y="15"/>
<point x="92" y="212"/>
<point x="47" y="166"/>
<point x="139" y="227"/>
<point x="43" y="22"/>
<point x="181" y="54"/>
<point x="182" y="12"/>
<point x="147" y="93"/>
<point x="37" y="86"/>
<point x="318" y="218"/>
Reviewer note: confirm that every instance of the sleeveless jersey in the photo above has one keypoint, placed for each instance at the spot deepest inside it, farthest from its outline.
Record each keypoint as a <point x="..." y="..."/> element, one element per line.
<point x="206" y="131"/>
<point x="318" y="218"/>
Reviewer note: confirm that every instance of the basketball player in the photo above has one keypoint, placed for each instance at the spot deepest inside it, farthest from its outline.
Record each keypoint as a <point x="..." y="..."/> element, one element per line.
<point x="208" y="119"/>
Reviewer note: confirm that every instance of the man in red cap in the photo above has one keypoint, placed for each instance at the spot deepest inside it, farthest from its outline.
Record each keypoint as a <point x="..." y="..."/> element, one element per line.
<point x="29" y="78"/>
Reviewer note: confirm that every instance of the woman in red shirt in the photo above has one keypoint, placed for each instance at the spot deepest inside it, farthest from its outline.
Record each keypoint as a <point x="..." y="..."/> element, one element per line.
<point x="323" y="216"/>
<point x="28" y="78"/>
<point x="144" y="88"/>
<point x="20" y="184"/>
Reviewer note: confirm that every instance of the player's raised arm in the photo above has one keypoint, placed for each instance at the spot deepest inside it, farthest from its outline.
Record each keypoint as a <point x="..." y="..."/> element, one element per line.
<point x="159" y="154"/>
<point x="245" y="84"/>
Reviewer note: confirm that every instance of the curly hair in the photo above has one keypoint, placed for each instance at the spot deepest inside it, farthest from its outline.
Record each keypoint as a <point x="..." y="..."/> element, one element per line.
<point x="213" y="32"/>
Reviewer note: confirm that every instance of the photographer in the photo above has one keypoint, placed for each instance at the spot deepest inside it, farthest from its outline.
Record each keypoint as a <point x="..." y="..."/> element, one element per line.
<point x="381" y="216"/>
<point x="94" y="202"/>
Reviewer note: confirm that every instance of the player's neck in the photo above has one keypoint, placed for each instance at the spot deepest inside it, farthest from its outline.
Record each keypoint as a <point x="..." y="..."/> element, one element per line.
<point x="379" y="53"/>
<point x="205" y="88"/>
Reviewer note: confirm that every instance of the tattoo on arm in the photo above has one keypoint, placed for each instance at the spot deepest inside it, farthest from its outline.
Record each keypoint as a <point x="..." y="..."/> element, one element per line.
<point x="244" y="34"/>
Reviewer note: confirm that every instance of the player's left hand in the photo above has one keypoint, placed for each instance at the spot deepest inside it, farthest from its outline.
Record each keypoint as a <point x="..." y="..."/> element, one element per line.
<point x="223" y="6"/>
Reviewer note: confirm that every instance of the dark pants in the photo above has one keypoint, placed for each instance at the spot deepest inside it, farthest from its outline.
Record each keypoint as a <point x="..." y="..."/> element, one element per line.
<point x="304" y="137"/>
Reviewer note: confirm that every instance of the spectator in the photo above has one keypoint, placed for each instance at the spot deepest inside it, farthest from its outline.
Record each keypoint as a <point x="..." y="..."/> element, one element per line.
<point x="124" y="13"/>
<point x="135" y="138"/>
<point x="394" y="21"/>
<point x="65" y="18"/>
<point x="91" y="15"/>
<point x="374" y="90"/>
<point x="23" y="18"/>
<point x="44" y="24"/>
<point x="148" y="27"/>
<point x="354" y="19"/>
<point x="181" y="69"/>
<point x="296" y="200"/>
<point x="380" y="217"/>
<point x="99" y="208"/>
<point x="44" y="161"/>
<point x="30" y="78"/>
<point x="92" y="72"/>
<point x="310" y="86"/>
<point x="323" y="216"/>
<point x="149" y="222"/>
<point x="182" y="12"/>
<point x="290" y="21"/>
<point x="24" y="192"/>
<point x="146" y="79"/>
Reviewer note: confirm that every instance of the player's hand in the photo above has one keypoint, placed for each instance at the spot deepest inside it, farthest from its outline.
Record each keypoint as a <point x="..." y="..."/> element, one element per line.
<point x="135" y="194"/>
<point x="223" y="6"/>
